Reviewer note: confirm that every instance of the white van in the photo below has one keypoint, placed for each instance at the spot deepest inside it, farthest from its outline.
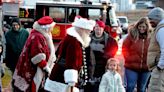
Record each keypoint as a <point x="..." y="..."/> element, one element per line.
<point x="124" y="23"/>
<point x="144" y="4"/>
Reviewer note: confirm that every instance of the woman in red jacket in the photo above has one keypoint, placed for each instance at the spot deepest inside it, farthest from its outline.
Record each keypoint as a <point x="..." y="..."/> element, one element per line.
<point x="134" y="50"/>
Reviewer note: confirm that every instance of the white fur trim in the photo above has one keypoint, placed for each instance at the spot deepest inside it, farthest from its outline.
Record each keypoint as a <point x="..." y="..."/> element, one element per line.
<point x="72" y="32"/>
<point x="38" y="78"/>
<point x="84" y="23"/>
<point x="54" y="86"/>
<point x="48" y="37"/>
<point x="52" y="24"/>
<point x="38" y="27"/>
<point x="46" y="27"/>
<point x="38" y="58"/>
<point x="20" y="82"/>
<point x="47" y="69"/>
<point x="70" y="76"/>
<point x="39" y="74"/>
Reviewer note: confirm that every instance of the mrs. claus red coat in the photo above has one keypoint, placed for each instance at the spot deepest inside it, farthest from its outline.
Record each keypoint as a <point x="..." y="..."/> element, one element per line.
<point x="29" y="74"/>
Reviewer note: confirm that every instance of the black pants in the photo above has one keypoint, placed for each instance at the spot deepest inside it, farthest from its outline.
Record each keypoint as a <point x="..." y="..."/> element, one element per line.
<point x="92" y="87"/>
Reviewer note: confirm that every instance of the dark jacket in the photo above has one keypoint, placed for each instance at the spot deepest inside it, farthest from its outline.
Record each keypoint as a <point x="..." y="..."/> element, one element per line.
<point x="103" y="49"/>
<point x="15" y="41"/>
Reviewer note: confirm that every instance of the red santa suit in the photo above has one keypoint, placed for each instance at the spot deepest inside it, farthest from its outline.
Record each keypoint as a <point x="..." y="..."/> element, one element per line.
<point x="36" y="59"/>
<point x="72" y="50"/>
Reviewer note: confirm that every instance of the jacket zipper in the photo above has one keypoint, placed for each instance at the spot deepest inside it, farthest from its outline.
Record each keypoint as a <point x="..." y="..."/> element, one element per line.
<point x="143" y="45"/>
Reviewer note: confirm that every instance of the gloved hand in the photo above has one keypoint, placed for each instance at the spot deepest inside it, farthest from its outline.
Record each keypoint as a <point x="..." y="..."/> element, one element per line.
<point x="92" y="81"/>
<point x="47" y="69"/>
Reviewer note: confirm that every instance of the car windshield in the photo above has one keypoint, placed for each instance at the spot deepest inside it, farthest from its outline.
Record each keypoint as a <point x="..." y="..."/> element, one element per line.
<point x="123" y="20"/>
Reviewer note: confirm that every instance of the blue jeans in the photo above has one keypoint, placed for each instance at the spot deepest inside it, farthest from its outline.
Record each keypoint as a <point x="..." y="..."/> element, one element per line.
<point x="133" y="78"/>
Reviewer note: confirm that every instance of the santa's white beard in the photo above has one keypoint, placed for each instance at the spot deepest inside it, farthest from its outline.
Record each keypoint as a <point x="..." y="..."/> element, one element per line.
<point x="86" y="39"/>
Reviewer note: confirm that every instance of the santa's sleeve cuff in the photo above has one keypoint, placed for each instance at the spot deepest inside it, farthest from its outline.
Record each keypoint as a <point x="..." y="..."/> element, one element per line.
<point x="42" y="64"/>
<point x="38" y="58"/>
<point x="71" y="76"/>
<point x="52" y="86"/>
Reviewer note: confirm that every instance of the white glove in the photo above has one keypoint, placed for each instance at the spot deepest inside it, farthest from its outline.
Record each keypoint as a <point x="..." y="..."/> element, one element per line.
<point x="47" y="69"/>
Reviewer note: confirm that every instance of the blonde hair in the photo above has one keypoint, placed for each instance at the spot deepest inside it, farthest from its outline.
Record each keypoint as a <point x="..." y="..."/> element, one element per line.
<point x="112" y="60"/>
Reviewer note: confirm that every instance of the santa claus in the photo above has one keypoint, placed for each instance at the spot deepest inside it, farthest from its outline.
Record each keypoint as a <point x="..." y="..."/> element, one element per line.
<point x="36" y="59"/>
<point x="71" y="56"/>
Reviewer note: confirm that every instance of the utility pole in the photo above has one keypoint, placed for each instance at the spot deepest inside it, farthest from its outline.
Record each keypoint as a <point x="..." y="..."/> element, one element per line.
<point x="105" y="6"/>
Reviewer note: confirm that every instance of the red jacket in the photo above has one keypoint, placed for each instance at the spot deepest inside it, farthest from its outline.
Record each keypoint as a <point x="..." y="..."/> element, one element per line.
<point x="108" y="29"/>
<point x="25" y="71"/>
<point x="135" y="53"/>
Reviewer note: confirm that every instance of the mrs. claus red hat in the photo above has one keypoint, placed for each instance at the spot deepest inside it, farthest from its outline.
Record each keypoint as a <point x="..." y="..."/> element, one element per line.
<point x="46" y="22"/>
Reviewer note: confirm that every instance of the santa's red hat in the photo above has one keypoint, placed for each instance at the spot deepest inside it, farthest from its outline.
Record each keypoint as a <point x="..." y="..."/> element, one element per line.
<point x="44" y="23"/>
<point x="100" y="23"/>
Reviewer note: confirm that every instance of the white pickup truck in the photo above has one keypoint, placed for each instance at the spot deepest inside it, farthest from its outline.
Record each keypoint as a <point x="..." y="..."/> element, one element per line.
<point x="124" y="23"/>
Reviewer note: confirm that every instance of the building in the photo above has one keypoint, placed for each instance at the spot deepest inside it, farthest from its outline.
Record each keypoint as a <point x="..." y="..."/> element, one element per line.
<point x="123" y="5"/>
<point x="160" y="3"/>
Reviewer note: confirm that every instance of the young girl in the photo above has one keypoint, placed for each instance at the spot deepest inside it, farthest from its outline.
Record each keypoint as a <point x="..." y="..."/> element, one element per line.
<point x="111" y="80"/>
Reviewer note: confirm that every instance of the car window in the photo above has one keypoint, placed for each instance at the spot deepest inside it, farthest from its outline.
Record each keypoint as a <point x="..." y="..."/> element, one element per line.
<point x="94" y="13"/>
<point x="57" y="14"/>
<point x="123" y="20"/>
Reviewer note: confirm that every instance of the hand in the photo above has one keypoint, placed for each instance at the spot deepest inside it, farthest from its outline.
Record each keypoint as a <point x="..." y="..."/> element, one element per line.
<point x="2" y="75"/>
<point x="2" y="71"/>
<point x="47" y="69"/>
<point x="92" y="81"/>
<point x="158" y="68"/>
